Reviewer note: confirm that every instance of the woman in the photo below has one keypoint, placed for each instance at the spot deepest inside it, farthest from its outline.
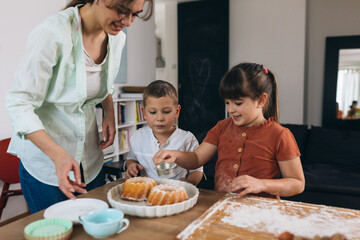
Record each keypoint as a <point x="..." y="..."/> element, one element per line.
<point x="71" y="61"/>
<point x="351" y="114"/>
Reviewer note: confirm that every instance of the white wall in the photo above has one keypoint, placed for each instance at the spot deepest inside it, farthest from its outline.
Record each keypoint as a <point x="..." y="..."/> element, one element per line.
<point x="166" y="28"/>
<point x="325" y="18"/>
<point x="17" y="19"/>
<point x="141" y="52"/>
<point x="273" y="33"/>
<point x="170" y="45"/>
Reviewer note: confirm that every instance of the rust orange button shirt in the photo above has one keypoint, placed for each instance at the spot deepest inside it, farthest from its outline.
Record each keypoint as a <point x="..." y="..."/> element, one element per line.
<point x="253" y="151"/>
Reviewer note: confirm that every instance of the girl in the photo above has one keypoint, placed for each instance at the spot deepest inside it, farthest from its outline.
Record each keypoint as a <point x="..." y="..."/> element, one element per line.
<point x="253" y="148"/>
<point x="71" y="61"/>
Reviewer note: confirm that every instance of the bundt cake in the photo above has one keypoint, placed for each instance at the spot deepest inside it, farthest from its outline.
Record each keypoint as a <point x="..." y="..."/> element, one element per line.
<point x="166" y="194"/>
<point x="137" y="188"/>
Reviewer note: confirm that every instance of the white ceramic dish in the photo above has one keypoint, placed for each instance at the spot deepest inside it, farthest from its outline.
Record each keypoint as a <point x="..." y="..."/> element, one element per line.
<point x="72" y="209"/>
<point x="140" y="209"/>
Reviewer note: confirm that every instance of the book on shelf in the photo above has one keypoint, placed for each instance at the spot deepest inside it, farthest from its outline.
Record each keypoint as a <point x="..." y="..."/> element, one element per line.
<point x="124" y="139"/>
<point x="99" y="116"/>
<point x="108" y="160"/>
<point x="121" y="112"/>
<point x="131" y="95"/>
<point x="139" y="112"/>
<point x="109" y="150"/>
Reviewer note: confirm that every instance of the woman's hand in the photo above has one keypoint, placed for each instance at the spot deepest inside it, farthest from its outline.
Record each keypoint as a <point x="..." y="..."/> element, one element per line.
<point x="247" y="184"/>
<point x="108" y="130"/>
<point x="164" y="155"/>
<point x="65" y="163"/>
<point x="133" y="170"/>
<point x="108" y="124"/>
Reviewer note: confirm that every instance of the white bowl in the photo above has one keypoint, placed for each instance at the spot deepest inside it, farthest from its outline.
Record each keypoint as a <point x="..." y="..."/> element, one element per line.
<point x="140" y="209"/>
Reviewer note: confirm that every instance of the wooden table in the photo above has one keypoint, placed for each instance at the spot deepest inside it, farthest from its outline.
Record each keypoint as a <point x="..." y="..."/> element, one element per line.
<point x="206" y="219"/>
<point x="140" y="228"/>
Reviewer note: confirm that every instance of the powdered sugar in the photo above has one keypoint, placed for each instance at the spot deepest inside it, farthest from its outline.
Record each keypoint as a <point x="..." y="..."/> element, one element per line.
<point x="168" y="187"/>
<point x="264" y="218"/>
<point x="269" y="216"/>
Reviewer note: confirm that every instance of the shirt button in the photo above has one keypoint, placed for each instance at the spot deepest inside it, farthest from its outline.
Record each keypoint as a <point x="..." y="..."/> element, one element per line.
<point x="240" y="150"/>
<point x="243" y="134"/>
<point x="236" y="166"/>
<point x="81" y="139"/>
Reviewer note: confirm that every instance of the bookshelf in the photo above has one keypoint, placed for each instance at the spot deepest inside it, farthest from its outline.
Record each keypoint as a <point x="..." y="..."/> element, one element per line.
<point x="128" y="118"/>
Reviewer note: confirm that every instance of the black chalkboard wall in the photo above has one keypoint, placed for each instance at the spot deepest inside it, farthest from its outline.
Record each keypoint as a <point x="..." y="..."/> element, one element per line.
<point x="203" y="41"/>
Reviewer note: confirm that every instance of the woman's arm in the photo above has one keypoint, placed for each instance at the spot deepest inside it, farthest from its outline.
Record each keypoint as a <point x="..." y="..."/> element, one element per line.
<point x="108" y="125"/>
<point x="187" y="160"/>
<point x="291" y="183"/>
<point x="64" y="163"/>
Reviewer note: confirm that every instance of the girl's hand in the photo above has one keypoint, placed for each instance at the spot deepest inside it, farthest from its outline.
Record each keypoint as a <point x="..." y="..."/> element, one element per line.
<point x="133" y="170"/>
<point x="247" y="184"/>
<point x="164" y="155"/>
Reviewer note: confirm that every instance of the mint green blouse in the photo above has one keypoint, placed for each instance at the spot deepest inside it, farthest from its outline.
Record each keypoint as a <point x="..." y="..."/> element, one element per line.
<point x="49" y="92"/>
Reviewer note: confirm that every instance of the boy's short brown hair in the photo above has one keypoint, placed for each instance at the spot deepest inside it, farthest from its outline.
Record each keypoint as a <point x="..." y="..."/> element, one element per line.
<point x="158" y="89"/>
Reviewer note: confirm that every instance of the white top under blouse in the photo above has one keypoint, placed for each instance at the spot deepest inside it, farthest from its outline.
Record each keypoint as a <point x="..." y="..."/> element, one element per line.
<point x="93" y="76"/>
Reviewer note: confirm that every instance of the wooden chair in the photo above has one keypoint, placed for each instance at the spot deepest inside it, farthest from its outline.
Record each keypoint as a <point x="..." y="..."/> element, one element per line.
<point x="9" y="173"/>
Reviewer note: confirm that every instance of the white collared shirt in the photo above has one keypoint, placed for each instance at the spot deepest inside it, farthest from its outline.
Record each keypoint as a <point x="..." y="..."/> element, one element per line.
<point x="143" y="146"/>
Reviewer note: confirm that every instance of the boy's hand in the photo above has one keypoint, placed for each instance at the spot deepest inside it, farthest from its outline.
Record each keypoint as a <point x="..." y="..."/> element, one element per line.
<point x="133" y="170"/>
<point x="247" y="184"/>
<point x="164" y="155"/>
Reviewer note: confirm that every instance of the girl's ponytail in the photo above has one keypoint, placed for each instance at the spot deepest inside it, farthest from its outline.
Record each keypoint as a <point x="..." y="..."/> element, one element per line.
<point x="273" y="108"/>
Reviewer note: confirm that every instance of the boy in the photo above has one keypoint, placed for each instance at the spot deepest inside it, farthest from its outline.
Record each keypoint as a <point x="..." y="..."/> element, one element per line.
<point x="160" y="110"/>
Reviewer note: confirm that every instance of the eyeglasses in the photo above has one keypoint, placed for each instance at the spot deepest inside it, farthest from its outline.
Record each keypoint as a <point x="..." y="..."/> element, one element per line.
<point x="124" y="11"/>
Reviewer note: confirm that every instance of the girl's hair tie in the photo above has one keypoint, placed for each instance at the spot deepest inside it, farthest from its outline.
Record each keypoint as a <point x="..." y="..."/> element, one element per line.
<point x="266" y="70"/>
